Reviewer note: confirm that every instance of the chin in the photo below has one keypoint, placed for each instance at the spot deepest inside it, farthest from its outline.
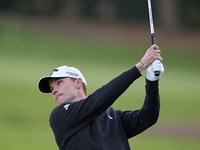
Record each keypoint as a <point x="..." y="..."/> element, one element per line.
<point x="59" y="102"/>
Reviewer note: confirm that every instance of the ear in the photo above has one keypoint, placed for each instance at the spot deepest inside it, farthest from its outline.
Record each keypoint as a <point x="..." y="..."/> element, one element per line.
<point x="79" y="83"/>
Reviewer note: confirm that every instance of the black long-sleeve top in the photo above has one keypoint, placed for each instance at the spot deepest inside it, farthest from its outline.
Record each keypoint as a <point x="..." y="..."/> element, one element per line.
<point x="91" y="124"/>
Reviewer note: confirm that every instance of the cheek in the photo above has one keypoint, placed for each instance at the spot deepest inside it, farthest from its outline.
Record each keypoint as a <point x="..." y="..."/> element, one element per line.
<point x="67" y="89"/>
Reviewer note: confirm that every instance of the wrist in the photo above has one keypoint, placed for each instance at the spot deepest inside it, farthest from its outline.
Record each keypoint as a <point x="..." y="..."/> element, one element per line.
<point x="140" y="66"/>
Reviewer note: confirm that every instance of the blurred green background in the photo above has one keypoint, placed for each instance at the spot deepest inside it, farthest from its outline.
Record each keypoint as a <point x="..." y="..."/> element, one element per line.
<point x="31" y="46"/>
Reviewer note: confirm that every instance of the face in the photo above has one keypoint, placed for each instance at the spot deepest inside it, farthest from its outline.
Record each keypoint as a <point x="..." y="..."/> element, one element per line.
<point x="63" y="89"/>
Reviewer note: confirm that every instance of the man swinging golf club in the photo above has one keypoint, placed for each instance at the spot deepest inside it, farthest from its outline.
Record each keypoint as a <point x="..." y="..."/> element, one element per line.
<point x="82" y="122"/>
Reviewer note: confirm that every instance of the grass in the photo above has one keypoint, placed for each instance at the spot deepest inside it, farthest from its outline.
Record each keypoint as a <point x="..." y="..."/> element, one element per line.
<point x="164" y="143"/>
<point x="26" y="56"/>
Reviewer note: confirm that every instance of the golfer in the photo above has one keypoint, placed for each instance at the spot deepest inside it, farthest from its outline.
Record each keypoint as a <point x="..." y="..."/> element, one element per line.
<point x="82" y="122"/>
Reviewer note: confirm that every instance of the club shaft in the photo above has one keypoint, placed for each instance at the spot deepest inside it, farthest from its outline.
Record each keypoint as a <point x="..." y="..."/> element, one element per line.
<point x="151" y="22"/>
<point x="156" y="73"/>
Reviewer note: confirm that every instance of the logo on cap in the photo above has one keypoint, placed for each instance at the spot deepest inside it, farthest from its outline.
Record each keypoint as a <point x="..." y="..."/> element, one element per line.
<point x="72" y="74"/>
<point x="56" y="70"/>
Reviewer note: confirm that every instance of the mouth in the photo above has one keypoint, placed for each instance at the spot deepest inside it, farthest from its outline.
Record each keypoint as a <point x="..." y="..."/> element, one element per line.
<point x="57" y="97"/>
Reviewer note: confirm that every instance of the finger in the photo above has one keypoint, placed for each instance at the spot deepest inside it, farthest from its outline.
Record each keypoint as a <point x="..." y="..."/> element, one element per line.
<point x="157" y="51"/>
<point x="154" y="54"/>
<point x="160" y="58"/>
<point x="157" y="57"/>
<point x="154" y="46"/>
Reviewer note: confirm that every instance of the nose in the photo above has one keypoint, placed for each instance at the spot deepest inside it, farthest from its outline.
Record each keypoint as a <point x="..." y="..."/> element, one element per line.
<point x="54" y="91"/>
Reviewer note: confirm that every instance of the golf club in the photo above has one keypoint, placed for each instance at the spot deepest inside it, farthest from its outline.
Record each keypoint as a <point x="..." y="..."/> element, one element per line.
<point x="156" y="73"/>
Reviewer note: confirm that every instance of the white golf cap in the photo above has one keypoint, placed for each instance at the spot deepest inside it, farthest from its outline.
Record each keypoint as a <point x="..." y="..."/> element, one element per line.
<point x="60" y="72"/>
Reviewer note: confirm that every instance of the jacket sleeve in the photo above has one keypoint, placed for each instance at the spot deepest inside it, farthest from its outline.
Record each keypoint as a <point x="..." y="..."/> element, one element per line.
<point x="137" y="121"/>
<point x="79" y="114"/>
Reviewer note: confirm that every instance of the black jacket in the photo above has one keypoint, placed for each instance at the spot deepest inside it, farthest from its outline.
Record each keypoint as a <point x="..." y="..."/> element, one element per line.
<point x="91" y="124"/>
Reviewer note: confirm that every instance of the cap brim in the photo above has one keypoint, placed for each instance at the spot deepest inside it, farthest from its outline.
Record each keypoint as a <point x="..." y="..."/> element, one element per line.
<point x="43" y="84"/>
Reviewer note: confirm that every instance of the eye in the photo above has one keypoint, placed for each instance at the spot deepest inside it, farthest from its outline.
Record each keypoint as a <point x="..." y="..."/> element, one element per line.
<point x="59" y="82"/>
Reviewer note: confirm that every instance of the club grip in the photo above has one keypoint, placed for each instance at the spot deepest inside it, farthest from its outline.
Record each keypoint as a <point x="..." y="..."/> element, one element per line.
<point x="153" y="40"/>
<point x="156" y="73"/>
